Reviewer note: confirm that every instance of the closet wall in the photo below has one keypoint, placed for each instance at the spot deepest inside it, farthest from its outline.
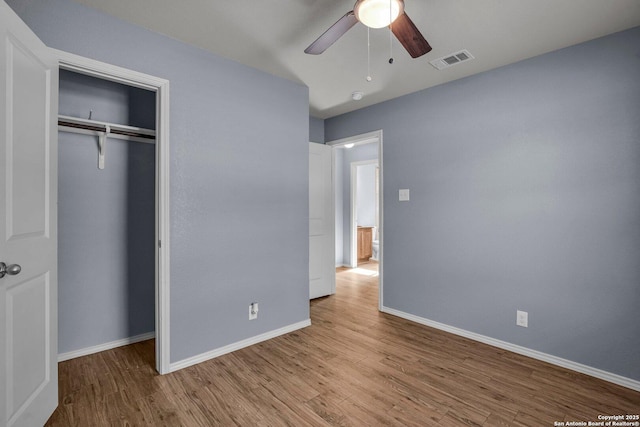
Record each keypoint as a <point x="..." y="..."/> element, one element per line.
<point x="106" y="218"/>
<point x="239" y="170"/>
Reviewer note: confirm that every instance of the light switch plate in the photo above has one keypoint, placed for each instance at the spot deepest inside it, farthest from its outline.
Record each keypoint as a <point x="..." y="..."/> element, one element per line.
<point x="403" y="194"/>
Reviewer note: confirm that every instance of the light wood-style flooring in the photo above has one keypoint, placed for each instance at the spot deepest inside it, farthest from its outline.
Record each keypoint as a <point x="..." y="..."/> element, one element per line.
<point x="353" y="367"/>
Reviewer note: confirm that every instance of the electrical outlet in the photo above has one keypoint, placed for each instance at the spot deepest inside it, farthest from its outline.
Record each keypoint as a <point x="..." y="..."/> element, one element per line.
<point x="522" y="318"/>
<point x="253" y="311"/>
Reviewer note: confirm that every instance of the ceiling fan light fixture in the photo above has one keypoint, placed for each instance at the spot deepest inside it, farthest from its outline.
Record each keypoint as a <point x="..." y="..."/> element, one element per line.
<point x="375" y="13"/>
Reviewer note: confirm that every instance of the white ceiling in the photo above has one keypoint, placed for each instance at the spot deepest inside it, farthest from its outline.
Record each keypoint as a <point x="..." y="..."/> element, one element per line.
<point x="271" y="35"/>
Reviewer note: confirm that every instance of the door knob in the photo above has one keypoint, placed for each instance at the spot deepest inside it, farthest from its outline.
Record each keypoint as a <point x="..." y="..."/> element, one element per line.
<point x="11" y="270"/>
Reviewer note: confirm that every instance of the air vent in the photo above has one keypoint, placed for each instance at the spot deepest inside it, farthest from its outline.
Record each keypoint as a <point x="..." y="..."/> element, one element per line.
<point x="453" y="59"/>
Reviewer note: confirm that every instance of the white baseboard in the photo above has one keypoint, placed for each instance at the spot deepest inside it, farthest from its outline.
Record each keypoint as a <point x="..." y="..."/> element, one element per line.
<point x="106" y="346"/>
<point x="237" y="346"/>
<point x="554" y="360"/>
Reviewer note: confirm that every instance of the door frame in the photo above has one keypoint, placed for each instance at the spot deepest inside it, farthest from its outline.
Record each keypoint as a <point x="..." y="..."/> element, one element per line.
<point x="79" y="64"/>
<point x="367" y="138"/>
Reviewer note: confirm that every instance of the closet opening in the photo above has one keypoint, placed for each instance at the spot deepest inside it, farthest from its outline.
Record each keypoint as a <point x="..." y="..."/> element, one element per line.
<point x="107" y="215"/>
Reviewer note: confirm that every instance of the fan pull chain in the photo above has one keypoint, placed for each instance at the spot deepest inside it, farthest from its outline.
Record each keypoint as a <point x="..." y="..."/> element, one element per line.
<point x="390" y="35"/>
<point x="368" y="57"/>
<point x="390" y="45"/>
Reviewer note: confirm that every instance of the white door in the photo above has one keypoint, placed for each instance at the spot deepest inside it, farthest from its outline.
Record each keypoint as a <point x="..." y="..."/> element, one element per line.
<point x="28" y="225"/>
<point x="322" y="274"/>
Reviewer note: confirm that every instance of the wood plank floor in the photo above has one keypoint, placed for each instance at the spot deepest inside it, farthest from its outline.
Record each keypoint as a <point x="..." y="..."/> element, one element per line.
<point x="353" y="367"/>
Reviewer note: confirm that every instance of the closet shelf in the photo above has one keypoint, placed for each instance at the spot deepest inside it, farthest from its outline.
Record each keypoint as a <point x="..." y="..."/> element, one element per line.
<point x="74" y="124"/>
<point x="103" y="130"/>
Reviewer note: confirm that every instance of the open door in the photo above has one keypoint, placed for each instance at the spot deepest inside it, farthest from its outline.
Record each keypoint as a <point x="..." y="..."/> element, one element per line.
<point x="28" y="225"/>
<point x="322" y="273"/>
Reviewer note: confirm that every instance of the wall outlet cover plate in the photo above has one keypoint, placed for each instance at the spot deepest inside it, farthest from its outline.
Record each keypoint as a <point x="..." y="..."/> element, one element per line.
<point x="522" y="318"/>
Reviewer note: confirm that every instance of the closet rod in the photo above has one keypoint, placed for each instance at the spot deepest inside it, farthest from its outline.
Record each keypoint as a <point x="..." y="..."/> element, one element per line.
<point x="111" y="128"/>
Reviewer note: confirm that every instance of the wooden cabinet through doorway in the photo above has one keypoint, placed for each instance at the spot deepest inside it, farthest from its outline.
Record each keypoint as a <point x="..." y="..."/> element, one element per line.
<point x="365" y="235"/>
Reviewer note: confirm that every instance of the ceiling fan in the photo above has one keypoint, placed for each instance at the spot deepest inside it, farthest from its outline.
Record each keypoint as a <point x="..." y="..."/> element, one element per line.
<point x="375" y="14"/>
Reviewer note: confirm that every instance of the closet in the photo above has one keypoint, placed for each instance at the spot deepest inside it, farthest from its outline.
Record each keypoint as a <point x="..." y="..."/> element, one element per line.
<point x="106" y="214"/>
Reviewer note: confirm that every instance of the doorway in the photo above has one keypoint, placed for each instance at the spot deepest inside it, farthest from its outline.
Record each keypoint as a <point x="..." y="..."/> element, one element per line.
<point x="364" y="221"/>
<point x="158" y="184"/>
<point x="346" y="226"/>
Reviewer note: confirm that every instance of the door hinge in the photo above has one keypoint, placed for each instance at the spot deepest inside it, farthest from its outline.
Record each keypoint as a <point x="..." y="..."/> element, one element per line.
<point x="160" y="243"/>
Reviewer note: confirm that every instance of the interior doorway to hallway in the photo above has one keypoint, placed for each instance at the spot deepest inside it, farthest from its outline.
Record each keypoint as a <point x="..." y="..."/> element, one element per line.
<point x="358" y="170"/>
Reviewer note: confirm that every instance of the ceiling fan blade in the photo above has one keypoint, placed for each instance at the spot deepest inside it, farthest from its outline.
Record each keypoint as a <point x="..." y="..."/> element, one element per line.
<point x="334" y="32"/>
<point x="408" y="34"/>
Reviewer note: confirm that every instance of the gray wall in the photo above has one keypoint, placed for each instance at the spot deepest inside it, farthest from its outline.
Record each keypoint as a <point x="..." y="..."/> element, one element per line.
<point x="316" y="130"/>
<point x="366" y="195"/>
<point x="525" y="194"/>
<point x="239" y="176"/>
<point x="106" y="218"/>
